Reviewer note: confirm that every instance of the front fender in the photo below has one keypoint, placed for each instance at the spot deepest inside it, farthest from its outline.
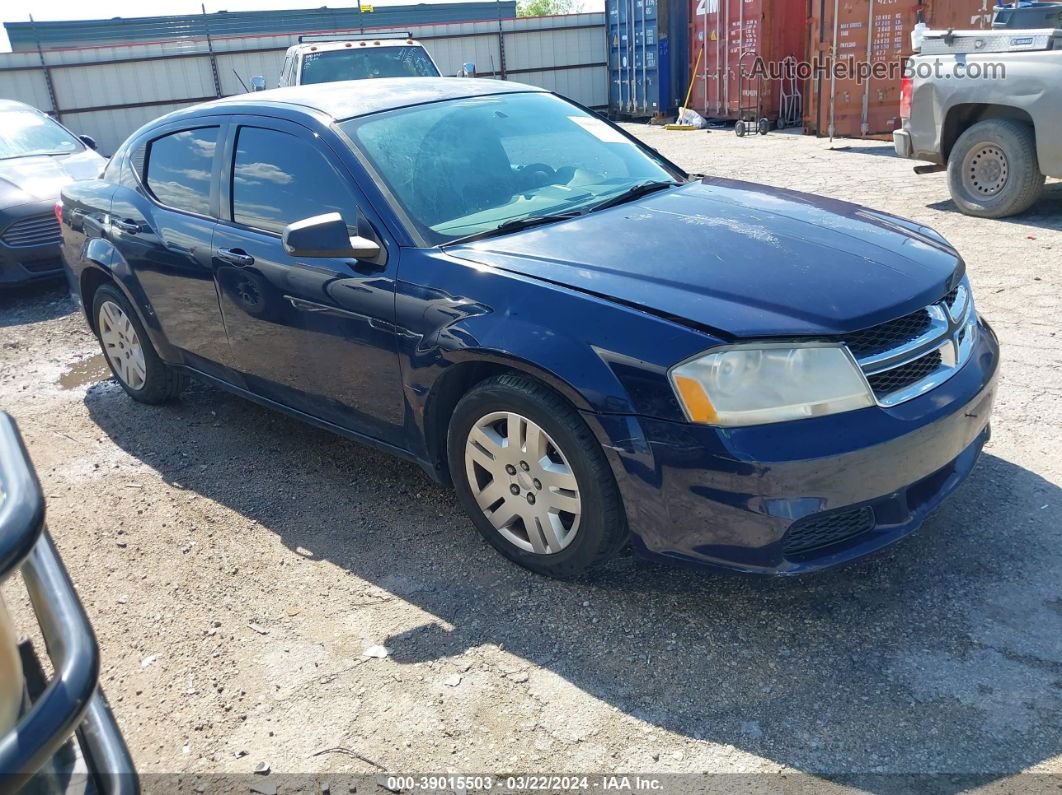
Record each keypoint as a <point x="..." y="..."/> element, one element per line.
<point x="605" y="358"/>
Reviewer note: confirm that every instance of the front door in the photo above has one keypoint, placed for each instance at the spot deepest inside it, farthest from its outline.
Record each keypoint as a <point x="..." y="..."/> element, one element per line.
<point x="315" y="334"/>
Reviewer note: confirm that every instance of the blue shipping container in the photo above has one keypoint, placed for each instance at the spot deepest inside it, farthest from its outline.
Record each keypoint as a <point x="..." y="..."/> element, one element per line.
<point x="647" y="56"/>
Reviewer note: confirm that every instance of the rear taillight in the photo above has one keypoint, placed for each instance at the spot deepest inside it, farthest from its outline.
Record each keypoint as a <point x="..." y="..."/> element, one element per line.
<point x="59" y="212"/>
<point x="906" y="84"/>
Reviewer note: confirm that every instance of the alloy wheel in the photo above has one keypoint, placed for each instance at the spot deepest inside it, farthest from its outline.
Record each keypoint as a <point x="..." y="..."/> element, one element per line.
<point x="122" y="345"/>
<point x="522" y="482"/>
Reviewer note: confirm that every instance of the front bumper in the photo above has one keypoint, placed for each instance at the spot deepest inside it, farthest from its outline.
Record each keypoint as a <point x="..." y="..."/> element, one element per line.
<point x="72" y="701"/>
<point x="798" y="496"/>
<point x="29" y="258"/>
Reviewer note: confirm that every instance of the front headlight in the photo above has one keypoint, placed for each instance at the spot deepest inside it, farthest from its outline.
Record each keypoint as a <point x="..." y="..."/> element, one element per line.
<point x="773" y="382"/>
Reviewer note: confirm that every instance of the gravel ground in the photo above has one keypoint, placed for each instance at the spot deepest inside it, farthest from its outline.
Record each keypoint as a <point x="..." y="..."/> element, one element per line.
<point x="237" y="564"/>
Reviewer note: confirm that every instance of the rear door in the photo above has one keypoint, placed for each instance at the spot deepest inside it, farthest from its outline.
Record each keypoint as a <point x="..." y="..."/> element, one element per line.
<point x="161" y="223"/>
<point x="314" y="334"/>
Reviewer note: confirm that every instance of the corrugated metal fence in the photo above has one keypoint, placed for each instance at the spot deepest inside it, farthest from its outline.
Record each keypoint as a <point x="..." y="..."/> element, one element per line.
<point x="108" y="92"/>
<point x="124" y="30"/>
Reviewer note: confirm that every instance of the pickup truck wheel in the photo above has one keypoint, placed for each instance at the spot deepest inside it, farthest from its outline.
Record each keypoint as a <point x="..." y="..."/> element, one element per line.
<point x="993" y="171"/>
<point x="533" y="477"/>
<point x="128" y="351"/>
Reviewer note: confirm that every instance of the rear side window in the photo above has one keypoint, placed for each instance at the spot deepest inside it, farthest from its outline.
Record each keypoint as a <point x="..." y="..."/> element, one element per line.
<point x="278" y="179"/>
<point x="179" y="169"/>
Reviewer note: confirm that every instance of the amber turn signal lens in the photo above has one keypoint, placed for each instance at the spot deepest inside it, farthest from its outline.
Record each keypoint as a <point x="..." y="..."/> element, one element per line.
<point x="698" y="405"/>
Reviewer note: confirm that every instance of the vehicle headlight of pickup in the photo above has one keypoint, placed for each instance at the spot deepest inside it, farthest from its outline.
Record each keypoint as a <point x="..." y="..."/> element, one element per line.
<point x="757" y="384"/>
<point x="11" y="681"/>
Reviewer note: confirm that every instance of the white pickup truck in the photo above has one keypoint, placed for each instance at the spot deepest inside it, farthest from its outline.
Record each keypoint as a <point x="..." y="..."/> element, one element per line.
<point x="987" y="106"/>
<point x="326" y="61"/>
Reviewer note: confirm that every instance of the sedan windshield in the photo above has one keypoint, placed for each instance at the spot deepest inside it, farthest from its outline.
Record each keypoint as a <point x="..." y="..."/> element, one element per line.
<point x="24" y="133"/>
<point x="359" y="63"/>
<point x="465" y="167"/>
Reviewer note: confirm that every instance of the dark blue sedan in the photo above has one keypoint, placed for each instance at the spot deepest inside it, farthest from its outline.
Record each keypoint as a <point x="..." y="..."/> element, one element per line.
<point x="595" y="349"/>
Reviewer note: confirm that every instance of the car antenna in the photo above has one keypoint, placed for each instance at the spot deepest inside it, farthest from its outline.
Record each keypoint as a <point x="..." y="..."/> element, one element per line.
<point x="245" y="88"/>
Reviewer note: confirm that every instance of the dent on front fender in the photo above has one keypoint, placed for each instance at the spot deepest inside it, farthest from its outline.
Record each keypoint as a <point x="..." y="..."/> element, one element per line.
<point x="605" y="357"/>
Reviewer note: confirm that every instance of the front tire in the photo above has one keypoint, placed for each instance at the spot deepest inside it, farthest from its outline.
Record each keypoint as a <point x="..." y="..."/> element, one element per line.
<point x="129" y="352"/>
<point x="993" y="171"/>
<point x="533" y="478"/>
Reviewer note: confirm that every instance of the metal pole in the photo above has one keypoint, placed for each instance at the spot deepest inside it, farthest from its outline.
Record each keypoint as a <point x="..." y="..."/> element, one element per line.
<point x="741" y="49"/>
<point x="210" y="49"/>
<point x="501" y="42"/>
<point x="704" y="15"/>
<point x="704" y="48"/>
<point x="645" y="88"/>
<point x="725" y="4"/>
<point x="864" y="126"/>
<point x="833" y="66"/>
<point x="47" y="72"/>
<point x="632" y="91"/>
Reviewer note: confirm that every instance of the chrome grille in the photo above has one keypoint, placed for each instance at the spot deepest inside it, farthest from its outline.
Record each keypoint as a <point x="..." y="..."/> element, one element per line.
<point x="887" y="336"/>
<point x="907" y="357"/>
<point x="40" y="230"/>
<point x="888" y="381"/>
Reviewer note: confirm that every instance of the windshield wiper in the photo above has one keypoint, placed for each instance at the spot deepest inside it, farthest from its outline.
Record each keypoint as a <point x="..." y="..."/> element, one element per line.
<point x="35" y="154"/>
<point x="633" y="192"/>
<point x="514" y="225"/>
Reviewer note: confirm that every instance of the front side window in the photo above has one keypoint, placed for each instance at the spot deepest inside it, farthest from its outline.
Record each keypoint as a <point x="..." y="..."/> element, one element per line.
<point x="278" y="179"/>
<point x="469" y="165"/>
<point x="362" y="62"/>
<point x="180" y="166"/>
<point x="24" y="133"/>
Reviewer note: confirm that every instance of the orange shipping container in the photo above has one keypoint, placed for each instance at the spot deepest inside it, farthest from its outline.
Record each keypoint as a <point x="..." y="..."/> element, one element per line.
<point x="726" y="38"/>
<point x="871" y="32"/>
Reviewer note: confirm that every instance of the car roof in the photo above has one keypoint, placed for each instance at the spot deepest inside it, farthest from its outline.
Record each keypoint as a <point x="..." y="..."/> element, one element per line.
<point x="328" y="46"/>
<point x="348" y="98"/>
<point x="14" y="104"/>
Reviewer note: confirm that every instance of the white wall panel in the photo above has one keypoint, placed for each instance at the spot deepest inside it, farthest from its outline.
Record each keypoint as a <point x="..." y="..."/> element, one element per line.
<point x="155" y="84"/>
<point x="26" y="86"/>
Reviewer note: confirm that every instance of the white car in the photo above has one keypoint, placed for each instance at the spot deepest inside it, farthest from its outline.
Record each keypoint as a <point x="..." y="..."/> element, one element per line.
<point x="356" y="59"/>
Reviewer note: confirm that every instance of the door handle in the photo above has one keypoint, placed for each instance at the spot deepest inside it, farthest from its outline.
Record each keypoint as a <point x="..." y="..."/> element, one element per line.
<point x="127" y="226"/>
<point x="235" y="256"/>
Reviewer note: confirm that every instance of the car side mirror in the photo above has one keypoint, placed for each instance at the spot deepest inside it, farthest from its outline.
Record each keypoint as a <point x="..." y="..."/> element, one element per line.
<point x="88" y="141"/>
<point x="467" y="70"/>
<point x="327" y="236"/>
<point x="258" y="83"/>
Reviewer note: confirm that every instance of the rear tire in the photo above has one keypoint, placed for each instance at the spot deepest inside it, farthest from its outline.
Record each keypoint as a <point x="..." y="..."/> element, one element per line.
<point x="993" y="171"/>
<point x="129" y="352"/>
<point x="518" y="450"/>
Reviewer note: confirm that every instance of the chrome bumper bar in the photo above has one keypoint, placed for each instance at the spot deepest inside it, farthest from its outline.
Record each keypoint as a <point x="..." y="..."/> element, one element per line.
<point x="72" y="700"/>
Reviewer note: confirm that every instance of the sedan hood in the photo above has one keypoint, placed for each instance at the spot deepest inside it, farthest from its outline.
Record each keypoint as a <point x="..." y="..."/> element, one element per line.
<point x="738" y="258"/>
<point x="39" y="178"/>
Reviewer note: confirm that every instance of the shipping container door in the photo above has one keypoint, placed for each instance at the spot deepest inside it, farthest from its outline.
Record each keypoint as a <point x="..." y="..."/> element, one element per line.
<point x="871" y="32"/>
<point x="634" y="79"/>
<point x="727" y="38"/>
